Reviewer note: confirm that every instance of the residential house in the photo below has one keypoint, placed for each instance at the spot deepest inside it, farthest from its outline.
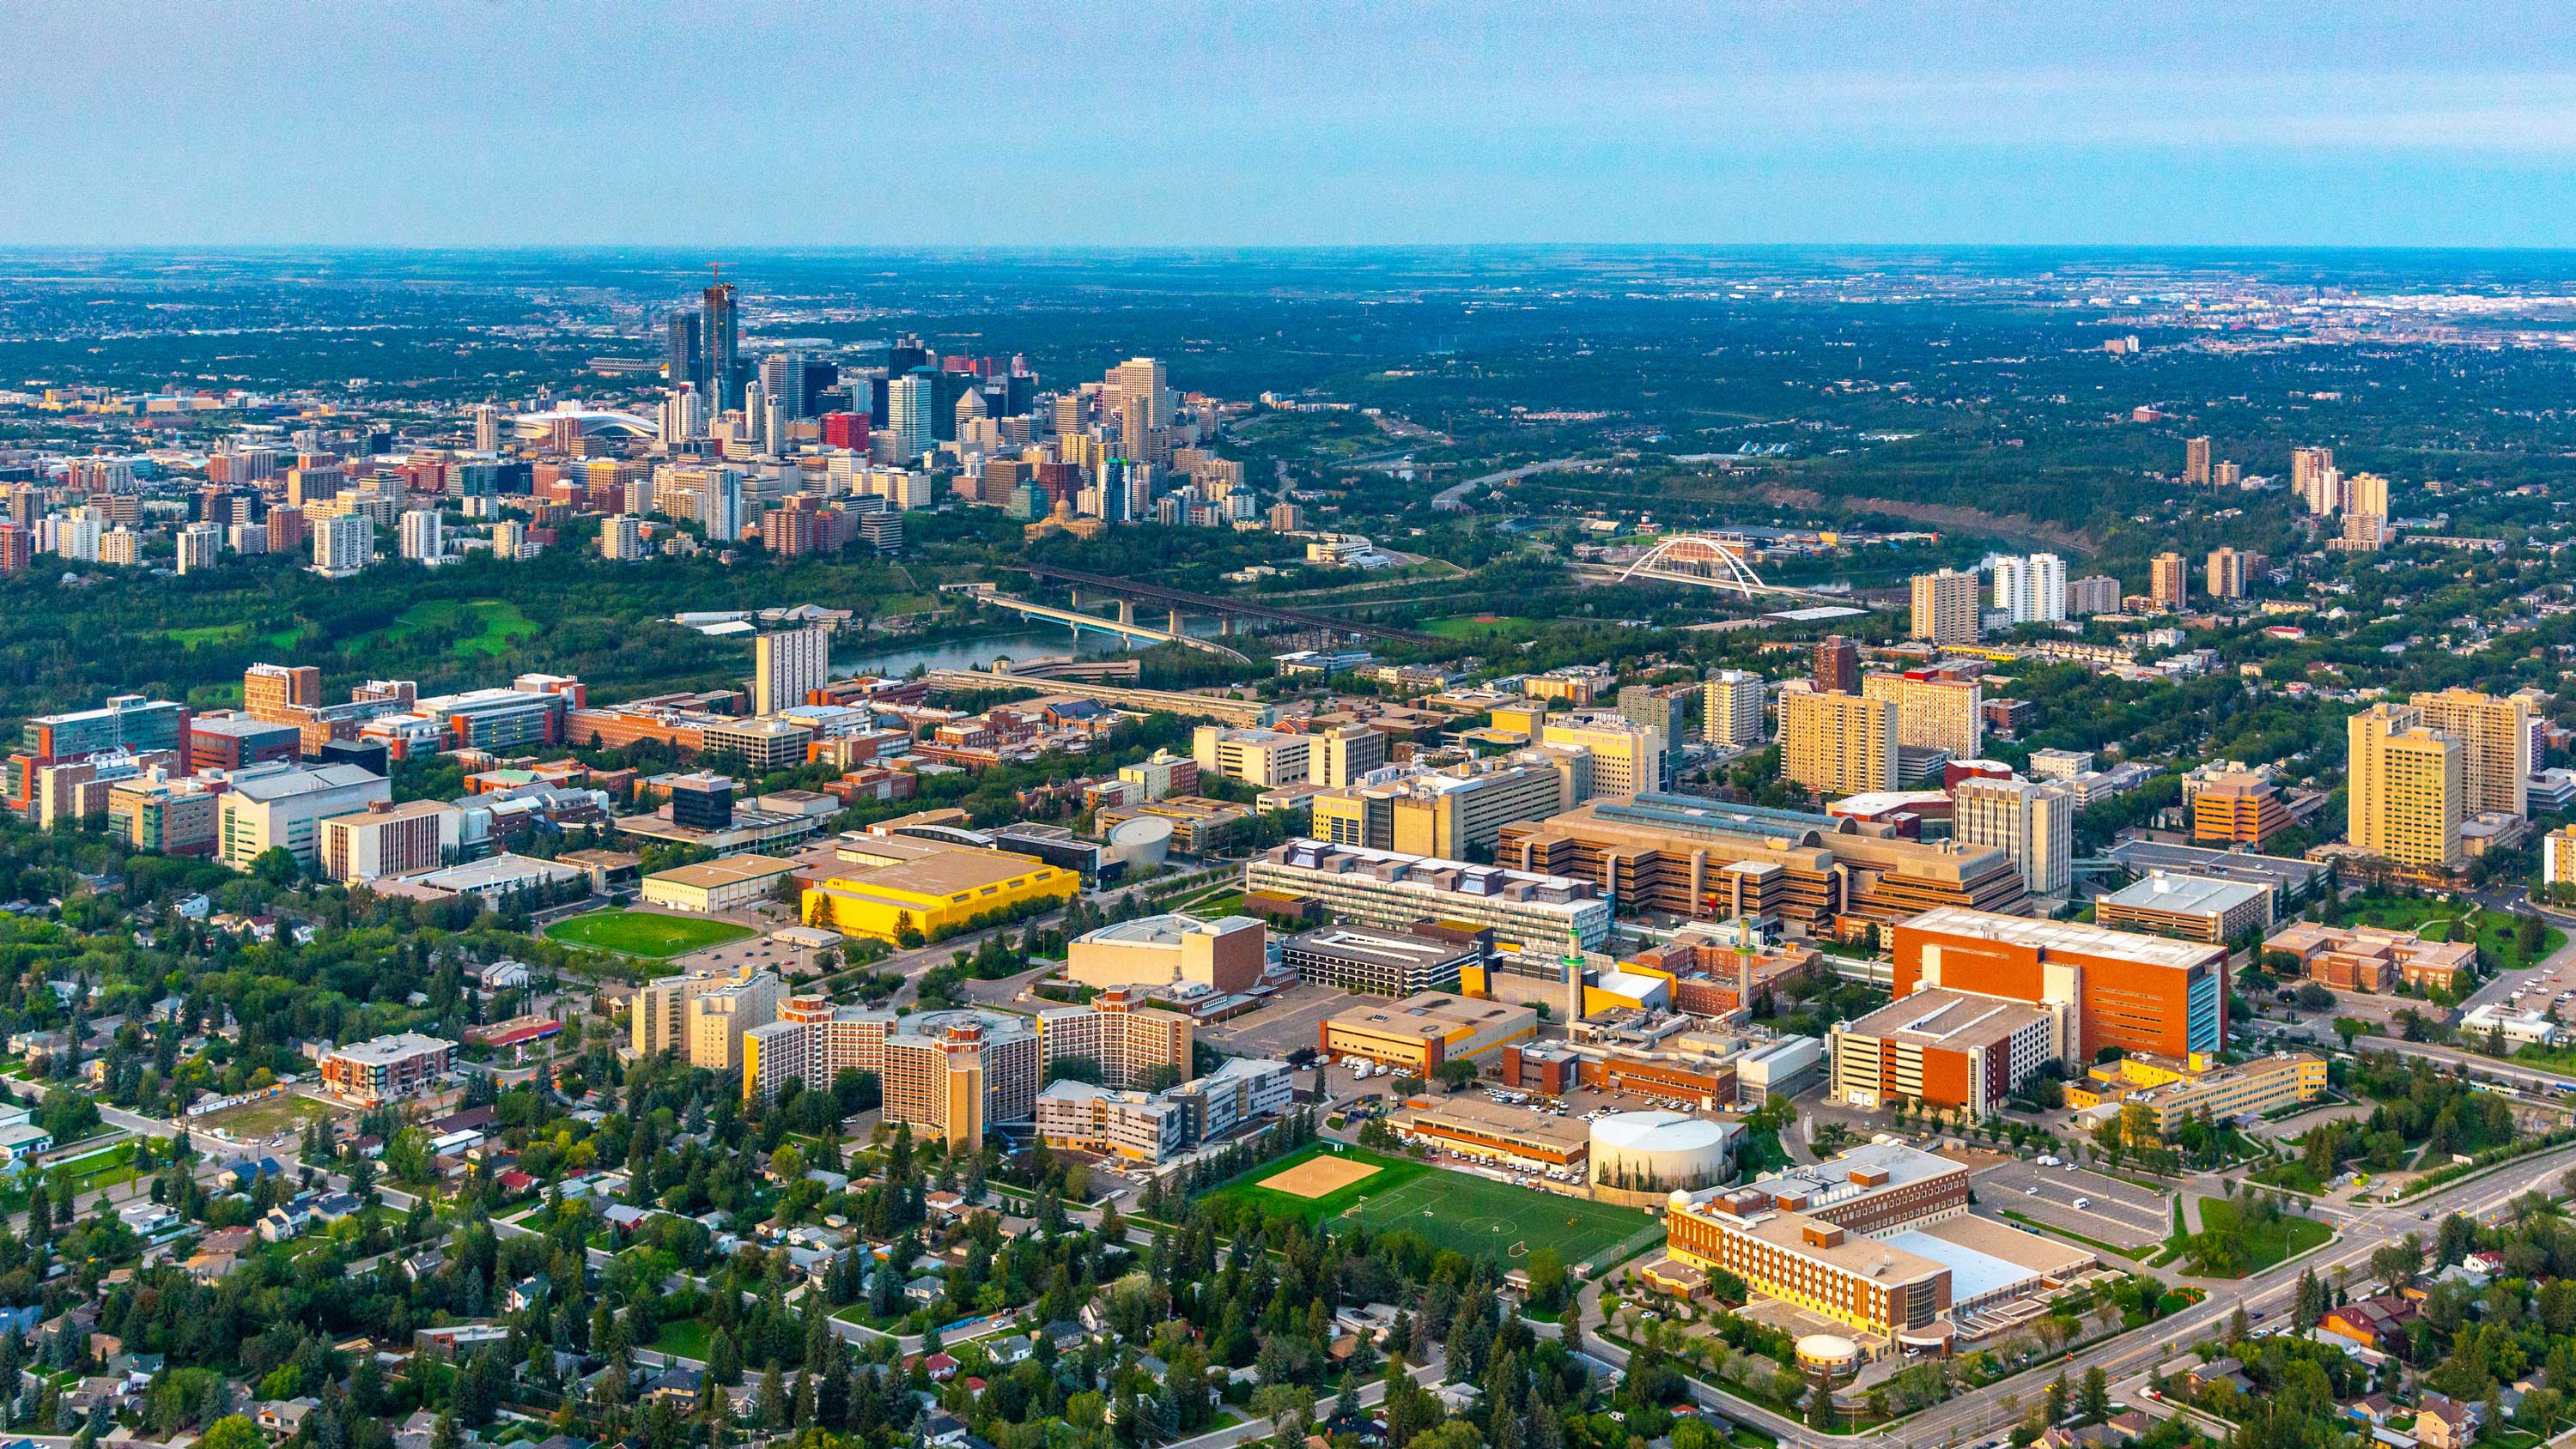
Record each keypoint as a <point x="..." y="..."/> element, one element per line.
<point x="2446" y="1423"/>
<point x="283" y="1419"/>
<point x="2374" y="1323"/>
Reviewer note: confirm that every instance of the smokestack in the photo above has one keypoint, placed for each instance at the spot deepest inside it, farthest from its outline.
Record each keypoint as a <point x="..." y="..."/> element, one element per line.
<point x="1573" y="979"/>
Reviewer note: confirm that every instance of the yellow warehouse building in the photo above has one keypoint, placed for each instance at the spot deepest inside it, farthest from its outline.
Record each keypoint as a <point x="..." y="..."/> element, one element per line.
<point x="929" y="888"/>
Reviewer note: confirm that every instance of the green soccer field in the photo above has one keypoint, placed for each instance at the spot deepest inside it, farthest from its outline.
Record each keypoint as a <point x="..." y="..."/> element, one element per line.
<point x="644" y="933"/>
<point x="1480" y="1217"/>
<point x="1473" y="1215"/>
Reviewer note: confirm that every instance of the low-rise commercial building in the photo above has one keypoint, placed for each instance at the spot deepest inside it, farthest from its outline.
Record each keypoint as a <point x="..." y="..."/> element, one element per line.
<point x="2198" y="1089"/>
<point x="388" y="1068"/>
<point x="388" y="839"/>
<point x="1158" y="951"/>
<point x="1388" y="889"/>
<point x="1380" y="963"/>
<point x="2187" y="908"/>
<point x="731" y="883"/>
<point x="1471" y="1126"/>
<point x="2373" y="958"/>
<point x="1419" y="1033"/>
<point x="901" y="886"/>
<point x="282" y="807"/>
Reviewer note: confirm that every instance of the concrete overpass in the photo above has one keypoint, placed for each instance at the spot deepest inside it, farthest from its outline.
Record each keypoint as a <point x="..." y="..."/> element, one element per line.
<point x="1122" y="626"/>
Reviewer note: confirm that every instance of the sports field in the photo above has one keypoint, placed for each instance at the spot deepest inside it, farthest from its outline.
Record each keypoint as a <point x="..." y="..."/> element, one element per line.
<point x="1474" y="1215"/>
<point x="645" y="933"/>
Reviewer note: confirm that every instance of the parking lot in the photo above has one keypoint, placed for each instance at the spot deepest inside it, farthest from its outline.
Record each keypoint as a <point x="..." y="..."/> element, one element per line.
<point x="2115" y="1212"/>
<point x="2539" y="985"/>
<point x="1292" y="1021"/>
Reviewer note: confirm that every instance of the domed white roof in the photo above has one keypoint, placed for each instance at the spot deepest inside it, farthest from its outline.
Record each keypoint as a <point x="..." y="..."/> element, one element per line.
<point x="1827" y="1348"/>
<point x="1657" y="1132"/>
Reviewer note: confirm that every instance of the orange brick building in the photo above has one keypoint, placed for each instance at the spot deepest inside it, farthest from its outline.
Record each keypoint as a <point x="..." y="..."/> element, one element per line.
<point x="2140" y="993"/>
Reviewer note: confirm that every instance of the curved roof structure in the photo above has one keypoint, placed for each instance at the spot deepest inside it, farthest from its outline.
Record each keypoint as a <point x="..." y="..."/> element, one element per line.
<point x="592" y="420"/>
<point x="1657" y="1132"/>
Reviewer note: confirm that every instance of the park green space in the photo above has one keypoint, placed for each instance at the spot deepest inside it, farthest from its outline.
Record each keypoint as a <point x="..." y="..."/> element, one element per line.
<point x="1469" y="626"/>
<point x="645" y="933"/>
<point x="2453" y="920"/>
<point x="1474" y="1215"/>
<point x="485" y="627"/>
<point x="2285" y="1237"/>
<point x="286" y="1112"/>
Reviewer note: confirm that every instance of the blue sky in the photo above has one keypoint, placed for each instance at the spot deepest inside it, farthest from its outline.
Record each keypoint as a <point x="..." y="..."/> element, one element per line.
<point x="491" y="122"/>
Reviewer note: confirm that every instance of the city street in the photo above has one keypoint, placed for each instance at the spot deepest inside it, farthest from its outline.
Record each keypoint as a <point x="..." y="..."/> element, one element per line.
<point x="2115" y="1212"/>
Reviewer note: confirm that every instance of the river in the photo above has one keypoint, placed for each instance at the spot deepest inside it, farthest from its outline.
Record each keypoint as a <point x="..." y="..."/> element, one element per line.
<point x="1018" y="639"/>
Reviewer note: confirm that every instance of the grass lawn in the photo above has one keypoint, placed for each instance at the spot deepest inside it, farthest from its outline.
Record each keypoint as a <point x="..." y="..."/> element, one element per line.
<point x="2285" y="1238"/>
<point x="1475" y="1215"/>
<point x="287" y="1112"/>
<point x="686" y="1337"/>
<point x="207" y="634"/>
<point x="95" y="1170"/>
<point x="477" y="628"/>
<point x="1763" y="1153"/>
<point x="647" y="934"/>
<point x="1468" y="626"/>
<point x="2454" y="921"/>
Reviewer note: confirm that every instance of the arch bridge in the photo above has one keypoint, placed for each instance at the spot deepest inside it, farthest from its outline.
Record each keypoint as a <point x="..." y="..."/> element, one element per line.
<point x="1708" y="561"/>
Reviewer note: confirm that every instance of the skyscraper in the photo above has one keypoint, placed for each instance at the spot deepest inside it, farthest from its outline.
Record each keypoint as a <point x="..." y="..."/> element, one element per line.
<point x="487" y="428"/>
<point x="2195" y="461"/>
<point x="684" y="415"/>
<point x="782" y="381"/>
<point x="723" y="346"/>
<point x="1945" y="607"/>
<point x="684" y="350"/>
<point x="720" y="507"/>
<point x="2369" y="494"/>
<point x="909" y="401"/>
<point x="2405" y="790"/>
<point x="788" y="665"/>
<point x="2168" y="582"/>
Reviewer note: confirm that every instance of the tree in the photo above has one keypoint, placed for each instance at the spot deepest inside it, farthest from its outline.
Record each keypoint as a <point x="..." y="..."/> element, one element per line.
<point x="1457" y="1075"/>
<point x="233" y="1431"/>
<point x="2096" y="1398"/>
<point x="1820" y="1409"/>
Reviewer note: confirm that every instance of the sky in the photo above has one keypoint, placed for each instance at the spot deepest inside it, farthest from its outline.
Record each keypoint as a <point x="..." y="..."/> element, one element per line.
<point x="564" y="122"/>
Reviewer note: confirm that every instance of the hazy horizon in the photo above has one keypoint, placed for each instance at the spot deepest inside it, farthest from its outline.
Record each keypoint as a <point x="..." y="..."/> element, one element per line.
<point x="465" y="124"/>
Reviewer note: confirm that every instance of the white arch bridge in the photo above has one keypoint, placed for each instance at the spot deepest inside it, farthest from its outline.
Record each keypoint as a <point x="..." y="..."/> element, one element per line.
<point x="1707" y="560"/>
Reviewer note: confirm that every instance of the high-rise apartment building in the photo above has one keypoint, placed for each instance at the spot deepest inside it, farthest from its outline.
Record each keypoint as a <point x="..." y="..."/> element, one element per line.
<point x="2168" y="581"/>
<point x="2407" y="784"/>
<point x="2033" y="589"/>
<point x="2032" y="823"/>
<point x="683" y="415"/>
<point x="1945" y="607"/>
<point x="1672" y="708"/>
<point x="703" y="1015"/>
<point x="200" y="546"/>
<point x="1837" y="665"/>
<point x="2309" y="468"/>
<point x="2092" y="594"/>
<point x="345" y="545"/>
<point x="2369" y="495"/>
<point x="2495" y="746"/>
<point x="1933" y="713"/>
<point x="1731" y="708"/>
<point x="788" y="665"/>
<point x="2228" y="474"/>
<point x="1627" y="757"/>
<point x="2226" y="573"/>
<point x="1835" y="743"/>
<point x="2195" y="461"/>
<point x="1450" y="813"/>
<point x="422" y="535"/>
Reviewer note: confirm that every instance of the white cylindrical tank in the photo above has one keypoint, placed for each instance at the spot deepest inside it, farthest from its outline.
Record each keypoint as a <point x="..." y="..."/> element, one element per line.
<point x="1657" y="1151"/>
<point x="1143" y="841"/>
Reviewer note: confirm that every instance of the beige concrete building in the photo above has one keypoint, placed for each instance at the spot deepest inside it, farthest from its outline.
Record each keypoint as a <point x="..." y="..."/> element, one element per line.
<point x="2495" y="746"/>
<point x="1731" y="713"/>
<point x="1946" y="607"/>
<point x="726" y="884"/>
<point x="1264" y="758"/>
<point x="1341" y="755"/>
<point x="2031" y="822"/>
<point x="1446" y="812"/>
<point x="2168" y="581"/>
<point x="1835" y="743"/>
<point x="1130" y="1039"/>
<point x="671" y="1015"/>
<point x="1938" y="714"/>
<point x="1158" y="951"/>
<point x="388" y="839"/>
<point x="2406" y="789"/>
<point x="1626" y="757"/>
<point x="2227" y="573"/>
